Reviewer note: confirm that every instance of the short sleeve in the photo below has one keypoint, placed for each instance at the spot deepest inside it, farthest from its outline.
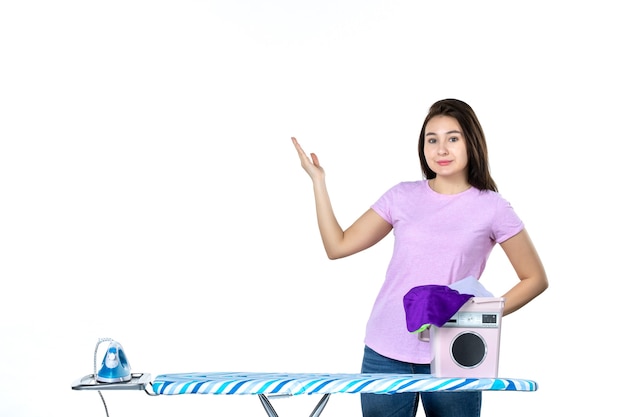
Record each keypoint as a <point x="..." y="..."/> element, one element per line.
<point x="506" y="221"/>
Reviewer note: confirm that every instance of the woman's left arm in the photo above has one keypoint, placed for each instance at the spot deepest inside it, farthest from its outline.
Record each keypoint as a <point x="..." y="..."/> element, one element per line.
<point x="529" y="268"/>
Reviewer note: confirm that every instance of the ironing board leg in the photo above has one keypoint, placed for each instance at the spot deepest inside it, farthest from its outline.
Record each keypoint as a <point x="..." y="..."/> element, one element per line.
<point x="268" y="406"/>
<point x="316" y="411"/>
<point x="320" y="406"/>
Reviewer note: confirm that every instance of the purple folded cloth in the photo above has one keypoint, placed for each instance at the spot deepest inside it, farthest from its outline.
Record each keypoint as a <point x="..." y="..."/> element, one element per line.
<point x="431" y="305"/>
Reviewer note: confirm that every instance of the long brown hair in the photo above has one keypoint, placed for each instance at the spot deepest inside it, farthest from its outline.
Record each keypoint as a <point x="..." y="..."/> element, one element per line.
<point x="479" y="175"/>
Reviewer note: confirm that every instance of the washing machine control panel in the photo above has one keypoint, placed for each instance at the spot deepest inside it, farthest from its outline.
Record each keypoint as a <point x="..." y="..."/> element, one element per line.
<point x="474" y="319"/>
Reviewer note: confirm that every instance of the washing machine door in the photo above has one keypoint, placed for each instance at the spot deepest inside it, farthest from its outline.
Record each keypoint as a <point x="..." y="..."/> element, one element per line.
<point x="468" y="349"/>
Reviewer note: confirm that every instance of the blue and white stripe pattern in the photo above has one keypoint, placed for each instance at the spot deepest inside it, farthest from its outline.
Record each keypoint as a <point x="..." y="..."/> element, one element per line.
<point x="241" y="383"/>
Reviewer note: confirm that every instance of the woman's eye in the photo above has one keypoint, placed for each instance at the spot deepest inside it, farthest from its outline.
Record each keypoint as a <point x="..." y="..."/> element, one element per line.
<point x="454" y="139"/>
<point x="432" y="140"/>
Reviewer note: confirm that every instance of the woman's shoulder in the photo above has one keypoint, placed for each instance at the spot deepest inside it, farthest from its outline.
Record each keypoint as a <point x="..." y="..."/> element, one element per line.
<point x="403" y="190"/>
<point x="492" y="199"/>
<point x="490" y="194"/>
<point x="410" y="185"/>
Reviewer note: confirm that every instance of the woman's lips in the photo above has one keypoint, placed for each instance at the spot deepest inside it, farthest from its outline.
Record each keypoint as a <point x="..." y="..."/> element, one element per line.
<point x="444" y="163"/>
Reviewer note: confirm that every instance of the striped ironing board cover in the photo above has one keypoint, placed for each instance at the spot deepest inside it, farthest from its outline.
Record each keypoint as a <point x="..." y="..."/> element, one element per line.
<point x="257" y="383"/>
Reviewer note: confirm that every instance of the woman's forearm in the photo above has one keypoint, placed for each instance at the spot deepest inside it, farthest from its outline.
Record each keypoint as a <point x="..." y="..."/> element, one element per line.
<point x="331" y="232"/>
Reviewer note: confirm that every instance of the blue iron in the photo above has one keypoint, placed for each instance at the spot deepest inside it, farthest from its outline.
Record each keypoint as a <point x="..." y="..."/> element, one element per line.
<point x="115" y="366"/>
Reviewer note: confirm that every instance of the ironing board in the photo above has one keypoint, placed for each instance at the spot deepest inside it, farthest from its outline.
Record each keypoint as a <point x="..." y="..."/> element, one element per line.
<point x="272" y="385"/>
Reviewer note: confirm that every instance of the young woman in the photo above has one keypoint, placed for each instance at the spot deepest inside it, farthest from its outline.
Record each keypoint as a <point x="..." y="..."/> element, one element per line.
<point x="445" y="227"/>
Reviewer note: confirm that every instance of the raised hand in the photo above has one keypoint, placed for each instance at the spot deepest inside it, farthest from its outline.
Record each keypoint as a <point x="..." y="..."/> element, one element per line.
<point x="311" y="165"/>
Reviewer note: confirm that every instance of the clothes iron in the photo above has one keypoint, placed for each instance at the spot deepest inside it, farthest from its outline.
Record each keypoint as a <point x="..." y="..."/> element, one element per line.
<point x="115" y="366"/>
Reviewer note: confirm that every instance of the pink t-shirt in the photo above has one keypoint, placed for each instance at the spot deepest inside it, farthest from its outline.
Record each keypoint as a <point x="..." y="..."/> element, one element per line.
<point x="439" y="239"/>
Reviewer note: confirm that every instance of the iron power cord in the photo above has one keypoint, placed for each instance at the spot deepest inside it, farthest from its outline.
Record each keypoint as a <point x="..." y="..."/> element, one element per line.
<point x="95" y="371"/>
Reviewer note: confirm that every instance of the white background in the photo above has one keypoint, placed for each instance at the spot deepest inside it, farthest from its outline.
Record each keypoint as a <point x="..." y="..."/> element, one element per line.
<point x="149" y="190"/>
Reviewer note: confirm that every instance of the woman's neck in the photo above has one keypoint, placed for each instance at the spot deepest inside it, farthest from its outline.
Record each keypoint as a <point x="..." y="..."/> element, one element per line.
<point x="444" y="186"/>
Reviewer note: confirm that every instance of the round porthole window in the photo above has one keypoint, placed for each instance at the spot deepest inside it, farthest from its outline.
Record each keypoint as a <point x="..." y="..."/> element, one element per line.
<point x="468" y="350"/>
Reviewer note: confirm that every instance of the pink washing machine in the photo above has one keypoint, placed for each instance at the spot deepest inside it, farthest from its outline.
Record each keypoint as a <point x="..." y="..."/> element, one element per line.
<point x="468" y="345"/>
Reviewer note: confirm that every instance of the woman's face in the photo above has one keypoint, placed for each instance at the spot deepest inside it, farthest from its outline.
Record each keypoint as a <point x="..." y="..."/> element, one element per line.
<point x="445" y="148"/>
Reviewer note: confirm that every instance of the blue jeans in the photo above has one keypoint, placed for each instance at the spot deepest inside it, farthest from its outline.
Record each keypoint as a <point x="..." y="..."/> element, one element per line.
<point x="436" y="404"/>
